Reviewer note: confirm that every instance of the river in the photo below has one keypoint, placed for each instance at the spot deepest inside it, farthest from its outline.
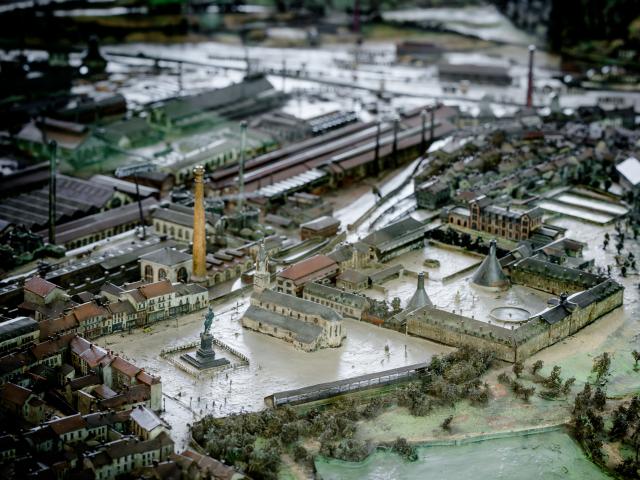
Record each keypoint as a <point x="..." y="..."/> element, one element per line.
<point x="547" y="455"/>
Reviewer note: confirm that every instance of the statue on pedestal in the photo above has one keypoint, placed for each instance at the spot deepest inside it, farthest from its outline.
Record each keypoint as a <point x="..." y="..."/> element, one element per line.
<point x="205" y="357"/>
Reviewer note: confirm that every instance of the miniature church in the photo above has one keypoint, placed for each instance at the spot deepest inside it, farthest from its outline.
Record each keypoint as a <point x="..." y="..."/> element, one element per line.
<point x="305" y="324"/>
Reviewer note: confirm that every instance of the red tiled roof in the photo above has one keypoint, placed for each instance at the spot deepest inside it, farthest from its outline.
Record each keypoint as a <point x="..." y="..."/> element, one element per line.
<point x="144" y="377"/>
<point x="88" y="310"/>
<point x="79" y="345"/>
<point x="68" y="424"/>
<point x="93" y="355"/>
<point x="125" y="367"/>
<point x="14" y="394"/>
<point x="156" y="289"/>
<point x="50" y="347"/>
<point x="39" y="286"/>
<point x="307" y="267"/>
<point x="57" y="325"/>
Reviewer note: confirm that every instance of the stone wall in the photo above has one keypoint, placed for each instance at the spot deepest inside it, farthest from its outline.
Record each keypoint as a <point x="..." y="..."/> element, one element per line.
<point x="513" y="345"/>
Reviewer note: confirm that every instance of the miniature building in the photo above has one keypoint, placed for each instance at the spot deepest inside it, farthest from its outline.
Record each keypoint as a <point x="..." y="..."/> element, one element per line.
<point x="159" y="300"/>
<point x="432" y="194"/>
<point x="489" y="274"/>
<point x="166" y="263"/>
<point x="17" y="332"/>
<point x="293" y="279"/>
<point x="226" y="264"/>
<point x="303" y="207"/>
<point x="629" y="171"/>
<point x="176" y="221"/>
<point x="346" y="304"/>
<point x="420" y="298"/>
<point x="145" y="423"/>
<point x="510" y="224"/>
<point x="321" y="227"/>
<point x="352" y="281"/>
<point x="101" y="225"/>
<point x="417" y="50"/>
<point x="252" y="95"/>
<point x="349" y="255"/>
<point x="20" y="401"/>
<point x="395" y="239"/>
<point x="43" y="299"/>
<point x="474" y="73"/>
<point x="305" y="324"/>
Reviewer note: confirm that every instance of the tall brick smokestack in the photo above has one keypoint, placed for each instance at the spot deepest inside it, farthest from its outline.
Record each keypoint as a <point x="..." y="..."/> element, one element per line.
<point x="199" y="235"/>
<point x="532" y="51"/>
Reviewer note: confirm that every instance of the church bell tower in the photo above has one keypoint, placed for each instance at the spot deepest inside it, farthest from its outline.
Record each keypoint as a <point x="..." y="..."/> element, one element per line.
<point x="262" y="277"/>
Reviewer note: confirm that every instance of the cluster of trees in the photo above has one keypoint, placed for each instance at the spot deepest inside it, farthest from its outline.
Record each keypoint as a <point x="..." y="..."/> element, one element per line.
<point x="554" y="385"/>
<point x="575" y="21"/>
<point x="384" y="310"/>
<point x="590" y="417"/>
<point x="18" y="245"/>
<point x="450" y="378"/>
<point x="462" y="239"/>
<point x="255" y="442"/>
<point x="404" y="449"/>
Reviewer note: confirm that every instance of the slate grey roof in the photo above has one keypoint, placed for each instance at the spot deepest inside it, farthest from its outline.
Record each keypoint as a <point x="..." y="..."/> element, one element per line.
<point x="298" y="304"/>
<point x="16" y="327"/>
<point x="189" y="288"/>
<point x="385" y="273"/>
<point x="304" y="332"/>
<point x="75" y="198"/>
<point x="343" y="253"/>
<point x="420" y="298"/>
<point x="124" y="186"/>
<point x="180" y="215"/>
<point x="558" y="272"/>
<point x="336" y="295"/>
<point x="391" y="232"/>
<point x="167" y="256"/>
<point x="98" y="222"/>
<point x="352" y="276"/>
<point x="133" y="255"/>
<point x="490" y="274"/>
<point x="218" y="98"/>
<point x="144" y="417"/>
<point x="321" y="223"/>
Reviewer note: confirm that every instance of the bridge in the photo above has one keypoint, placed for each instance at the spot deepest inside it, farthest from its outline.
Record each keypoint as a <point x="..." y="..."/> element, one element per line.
<point x="323" y="391"/>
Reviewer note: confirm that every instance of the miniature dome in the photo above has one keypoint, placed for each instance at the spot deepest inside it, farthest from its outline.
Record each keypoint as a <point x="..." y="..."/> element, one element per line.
<point x="490" y="275"/>
<point x="420" y="298"/>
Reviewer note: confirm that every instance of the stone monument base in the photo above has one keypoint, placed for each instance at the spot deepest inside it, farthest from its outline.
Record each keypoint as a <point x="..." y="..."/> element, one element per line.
<point x="204" y="358"/>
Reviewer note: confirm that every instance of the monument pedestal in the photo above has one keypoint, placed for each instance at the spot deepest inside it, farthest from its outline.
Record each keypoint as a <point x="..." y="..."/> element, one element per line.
<point x="204" y="357"/>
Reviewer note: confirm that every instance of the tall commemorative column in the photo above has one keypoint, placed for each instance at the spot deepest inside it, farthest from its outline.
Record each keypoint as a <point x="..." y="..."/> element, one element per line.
<point x="199" y="233"/>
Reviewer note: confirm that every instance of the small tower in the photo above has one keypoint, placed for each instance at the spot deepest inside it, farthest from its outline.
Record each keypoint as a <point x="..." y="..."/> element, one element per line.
<point x="262" y="277"/>
<point x="420" y="298"/>
<point x="490" y="275"/>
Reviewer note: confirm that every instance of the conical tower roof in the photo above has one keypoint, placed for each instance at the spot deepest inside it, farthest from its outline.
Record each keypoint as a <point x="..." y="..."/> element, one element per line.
<point x="490" y="275"/>
<point x="420" y="298"/>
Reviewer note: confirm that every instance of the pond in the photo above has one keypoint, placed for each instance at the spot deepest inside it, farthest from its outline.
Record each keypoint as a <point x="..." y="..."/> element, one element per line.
<point x="547" y="455"/>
